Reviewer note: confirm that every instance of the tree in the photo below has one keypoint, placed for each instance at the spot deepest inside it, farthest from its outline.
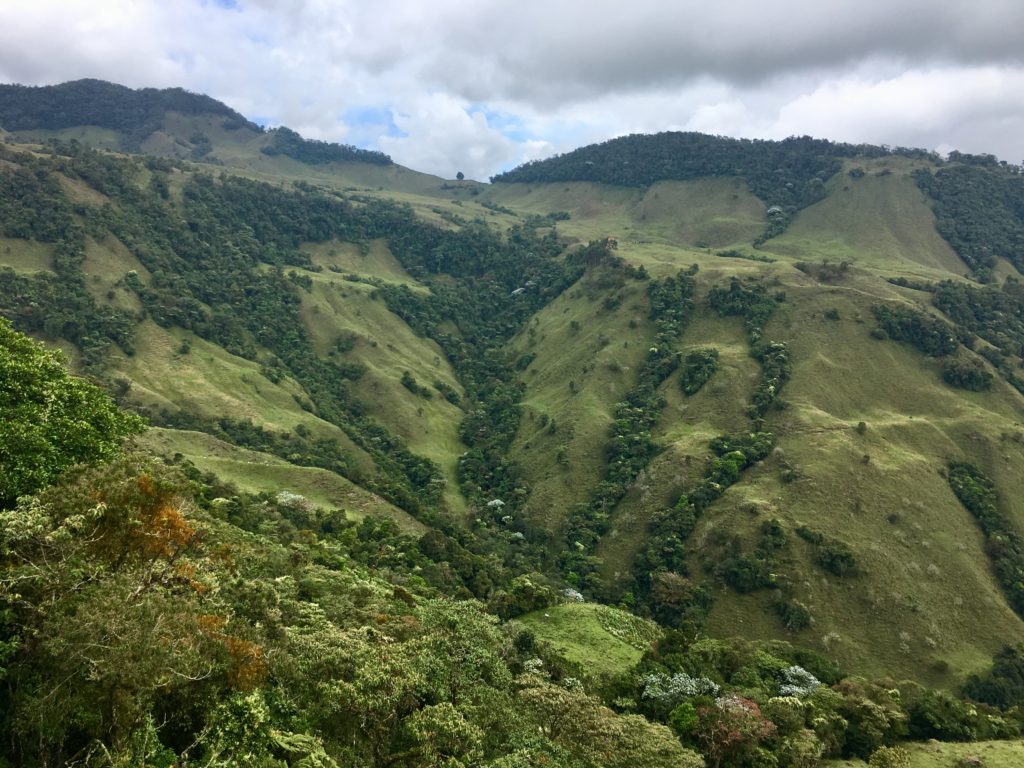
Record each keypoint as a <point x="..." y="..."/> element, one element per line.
<point x="49" y="420"/>
<point x="460" y="175"/>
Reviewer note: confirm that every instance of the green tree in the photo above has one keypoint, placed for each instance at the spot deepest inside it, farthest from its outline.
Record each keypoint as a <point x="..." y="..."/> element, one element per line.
<point x="49" y="420"/>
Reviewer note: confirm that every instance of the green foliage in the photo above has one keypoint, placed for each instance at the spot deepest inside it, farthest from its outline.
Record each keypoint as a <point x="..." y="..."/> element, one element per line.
<point x="925" y="333"/>
<point x="826" y="271"/>
<point x="135" y="113"/>
<point x="58" y="304"/>
<point x="1002" y="542"/>
<point x="995" y="313"/>
<point x="631" y="446"/>
<point x="1003" y="685"/>
<point x="966" y="374"/>
<point x="208" y="259"/>
<point x="833" y="555"/>
<point x="698" y="367"/>
<point x="749" y="302"/>
<point x="794" y="615"/>
<point x="410" y="383"/>
<point x="889" y="757"/>
<point x="48" y="419"/>
<point x="979" y="210"/>
<point x="482" y="272"/>
<point x="670" y="597"/>
<point x="284" y="141"/>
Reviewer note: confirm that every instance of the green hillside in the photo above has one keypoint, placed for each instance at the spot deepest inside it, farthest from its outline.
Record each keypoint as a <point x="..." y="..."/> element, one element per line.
<point x="758" y="403"/>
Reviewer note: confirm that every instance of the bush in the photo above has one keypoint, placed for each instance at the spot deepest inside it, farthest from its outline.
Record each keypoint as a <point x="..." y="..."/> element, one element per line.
<point x="966" y="374"/>
<point x="889" y="757"/>
<point x="697" y="368"/>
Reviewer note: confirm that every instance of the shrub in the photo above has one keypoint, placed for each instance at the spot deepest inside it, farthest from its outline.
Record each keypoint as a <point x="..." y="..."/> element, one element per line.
<point x="966" y="374"/>
<point x="697" y="368"/>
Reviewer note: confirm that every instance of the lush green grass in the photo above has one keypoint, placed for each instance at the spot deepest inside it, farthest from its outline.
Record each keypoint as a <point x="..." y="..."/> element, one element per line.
<point x="925" y="598"/>
<point x="255" y="472"/>
<point x="587" y="357"/>
<point x="704" y="213"/>
<point x="879" y="221"/>
<point x="26" y="256"/>
<point x="934" y="754"/>
<point x="602" y="639"/>
<point x="105" y="266"/>
<point x="338" y="309"/>
<point x="377" y="262"/>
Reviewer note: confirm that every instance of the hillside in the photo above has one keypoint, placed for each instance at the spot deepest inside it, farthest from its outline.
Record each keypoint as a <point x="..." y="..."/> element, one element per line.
<point x="758" y="390"/>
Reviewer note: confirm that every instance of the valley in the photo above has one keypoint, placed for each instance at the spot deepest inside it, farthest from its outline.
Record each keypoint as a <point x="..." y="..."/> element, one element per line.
<point x="497" y="371"/>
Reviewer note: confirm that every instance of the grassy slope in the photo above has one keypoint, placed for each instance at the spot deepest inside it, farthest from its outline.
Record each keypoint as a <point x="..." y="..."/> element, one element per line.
<point x="602" y="639"/>
<point x="387" y="347"/>
<point x="26" y="256"/>
<point x="934" y="754"/>
<point x="256" y="472"/>
<point x="882" y="222"/>
<point x="600" y="356"/>
<point x="899" y="616"/>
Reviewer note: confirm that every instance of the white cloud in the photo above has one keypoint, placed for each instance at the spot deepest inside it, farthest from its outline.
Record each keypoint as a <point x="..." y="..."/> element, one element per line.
<point x="910" y="72"/>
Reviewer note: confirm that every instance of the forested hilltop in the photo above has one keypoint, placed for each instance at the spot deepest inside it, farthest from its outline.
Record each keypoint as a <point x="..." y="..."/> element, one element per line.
<point x="137" y="114"/>
<point x="712" y="455"/>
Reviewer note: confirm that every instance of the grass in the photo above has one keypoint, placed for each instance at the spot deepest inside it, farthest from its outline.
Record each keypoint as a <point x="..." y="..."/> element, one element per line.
<point x="602" y="639"/>
<point x="387" y="347"/>
<point x="255" y="472"/>
<point x="26" y="256"/>
<point x="377" y="262"/>
<point x="881" y="222"/>
<point x="579" y="345"/>
<point x="934" y="754"/>
<point x="898" y="617"/>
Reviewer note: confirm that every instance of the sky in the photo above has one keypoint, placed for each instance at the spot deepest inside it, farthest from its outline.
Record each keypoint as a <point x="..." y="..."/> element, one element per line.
<point x="481" y="86"/>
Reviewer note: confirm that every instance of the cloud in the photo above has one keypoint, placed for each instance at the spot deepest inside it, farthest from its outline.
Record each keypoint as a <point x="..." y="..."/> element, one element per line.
<point x="477" y="87"/>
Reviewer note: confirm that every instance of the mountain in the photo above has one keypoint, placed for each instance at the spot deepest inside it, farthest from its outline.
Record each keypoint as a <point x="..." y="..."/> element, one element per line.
<point x="767" y="390"/>
<point x="168" y="122"/>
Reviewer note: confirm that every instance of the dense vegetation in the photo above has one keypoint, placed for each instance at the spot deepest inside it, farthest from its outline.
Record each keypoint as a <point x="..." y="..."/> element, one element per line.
<point x="491" y="286"/>
<point x="697" y="369"/>
<point x="1003" y="543"/>
<point x="284" y="141"/>
<point x="58" y="305"/>
<point x="209" y="277"/>
<point x="979" y="210"/>
<point x="134" y="113"/>
<point x="49" y="421"/>
<point x="150" y="615"/>
<point x="926" y="333"/>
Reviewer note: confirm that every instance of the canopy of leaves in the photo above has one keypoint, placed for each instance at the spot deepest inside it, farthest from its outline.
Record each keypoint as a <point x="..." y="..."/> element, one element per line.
<point x="284" y="141"/>
<point x="788" y="173"/>
<point x="136" y="113"/>
<point x="48" y="419"/>
<point x="979" y="210"/>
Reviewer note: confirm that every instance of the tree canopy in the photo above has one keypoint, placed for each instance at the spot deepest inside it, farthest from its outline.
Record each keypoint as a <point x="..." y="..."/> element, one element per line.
<point x="49" y="420"/>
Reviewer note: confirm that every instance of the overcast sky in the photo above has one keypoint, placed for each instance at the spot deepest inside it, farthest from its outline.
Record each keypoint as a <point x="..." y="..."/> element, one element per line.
<point x="483" y="85"/>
